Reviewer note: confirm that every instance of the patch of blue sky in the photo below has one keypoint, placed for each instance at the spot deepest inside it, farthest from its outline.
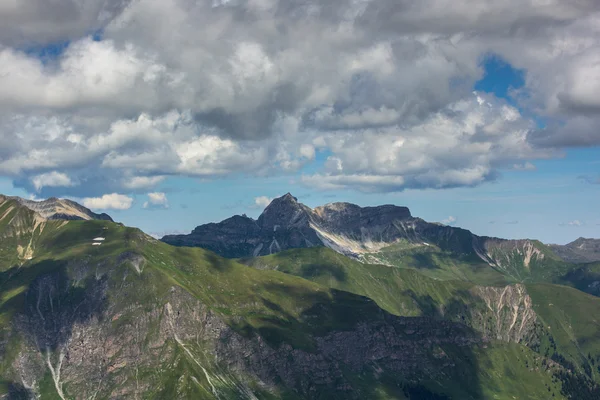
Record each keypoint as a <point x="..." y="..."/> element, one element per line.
<point x="500" y="78"/>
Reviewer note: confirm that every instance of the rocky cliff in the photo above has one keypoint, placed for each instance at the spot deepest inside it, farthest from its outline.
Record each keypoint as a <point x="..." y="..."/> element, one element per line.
<point x="582" y="250"/>
<point x="58" y="209"/>
<point x="354" y="231"/>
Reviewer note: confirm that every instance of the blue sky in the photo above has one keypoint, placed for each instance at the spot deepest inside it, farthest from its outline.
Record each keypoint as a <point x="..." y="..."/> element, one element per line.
<point x="170" y="115"/>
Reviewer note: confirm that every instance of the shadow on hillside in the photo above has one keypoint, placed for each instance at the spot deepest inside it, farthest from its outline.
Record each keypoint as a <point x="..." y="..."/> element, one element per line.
<point x="355" y="344"/>
<point x="585" y="278"/>
<point x="17" y="391"/>
<point x="424" y="260"/>
<point x="46" y="303"/>
<point x="309" y="271"/>
<point x="219" y="263"/>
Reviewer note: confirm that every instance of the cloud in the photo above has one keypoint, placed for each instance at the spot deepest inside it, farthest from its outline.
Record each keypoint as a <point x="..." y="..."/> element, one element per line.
<point x="160" y="235"/>
<point x="51" y="179"/>
<point x="524" y="167"/>
<point x="515" y="222"/>
<point x="594" y="180"/>
<point x="210" y="89"/>
<point x="449" y="221"/>
<point x="111" y="201"/>
<point x="157" y="200"/>
<point x="575" y="222"/>
<point x="142" y="182"/>
<point x="261" y="202"/>
<point x="465" y="144"/>
<point x="36" y="22"/>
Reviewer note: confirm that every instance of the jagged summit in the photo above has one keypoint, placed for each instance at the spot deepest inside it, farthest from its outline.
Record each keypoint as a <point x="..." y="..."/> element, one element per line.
<point x="54" y="208"/>
<point x="286" y="223"/>
<point x="283" y="212"/>
<point x="349" y="229"/>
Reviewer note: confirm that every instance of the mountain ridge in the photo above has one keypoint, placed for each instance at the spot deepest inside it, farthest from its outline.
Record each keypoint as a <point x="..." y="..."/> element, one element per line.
<point x="54" y="208"/>
<point x="359" y="232"/>
<point x="581" y="250"/>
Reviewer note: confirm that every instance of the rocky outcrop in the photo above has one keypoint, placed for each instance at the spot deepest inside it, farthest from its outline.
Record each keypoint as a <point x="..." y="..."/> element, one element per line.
<point x="508" y="316"/>
<point x="582" y="250"/>
<point x="61" y="209"/>
<point x="285" y="223"/>
<point x="350" y="230"/>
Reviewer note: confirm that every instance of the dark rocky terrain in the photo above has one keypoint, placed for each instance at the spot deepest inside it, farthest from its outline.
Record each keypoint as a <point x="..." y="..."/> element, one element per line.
<point x="357" y="232"/>
<point x="581" y="250"/>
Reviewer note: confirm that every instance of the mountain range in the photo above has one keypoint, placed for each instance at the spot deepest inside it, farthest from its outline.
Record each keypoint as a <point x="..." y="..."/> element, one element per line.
<point x="336" y="302"/>
<point x="380" y="235"/>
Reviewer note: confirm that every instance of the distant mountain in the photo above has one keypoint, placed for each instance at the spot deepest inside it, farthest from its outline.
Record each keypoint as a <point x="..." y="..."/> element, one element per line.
<point x="581" y="250"/>
<point x="374" y="234"/>
<point x="58" y="209"/>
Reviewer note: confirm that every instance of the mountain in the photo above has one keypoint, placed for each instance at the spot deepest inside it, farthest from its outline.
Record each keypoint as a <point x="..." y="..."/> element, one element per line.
<point x="385" y="234"/>
<point x="58" y="209"/>
<point x="581" y="250"/>
<point x="104" y="311"/>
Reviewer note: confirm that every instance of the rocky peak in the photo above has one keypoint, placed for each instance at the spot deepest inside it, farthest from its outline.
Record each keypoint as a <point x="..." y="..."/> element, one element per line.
<point x="61" y="209"/>
<point x="351" y="218"/>
<point x="283" y="212"/>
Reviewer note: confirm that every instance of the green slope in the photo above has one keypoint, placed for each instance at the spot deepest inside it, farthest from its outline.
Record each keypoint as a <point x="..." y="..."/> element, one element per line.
<point x="401" y="291"/>
<point x="567" y="323"/>
<point x="439" y="264"/>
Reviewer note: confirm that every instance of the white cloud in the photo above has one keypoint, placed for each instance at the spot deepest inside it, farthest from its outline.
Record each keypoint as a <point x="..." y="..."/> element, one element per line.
<point x="111" y="201"/>
<point x="157" y="200"/>
<point x="449" y="221"/>
<point x="262" y="202"/>
<point x="575" y="222"/>
<point x="465" y="144"/>
<point x="142" y="182"/>
<point x="527" y="166"/>
<point x="189" y="88"/>
<point x="51" y="179"/>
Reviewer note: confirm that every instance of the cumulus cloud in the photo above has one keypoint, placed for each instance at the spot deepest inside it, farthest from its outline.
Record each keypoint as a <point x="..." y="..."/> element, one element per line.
<point x="209" y="89"/>
<point x="464" y="144"/>
<point x="449" y="221"/>
<point x="261" y="202"/>
<point x="51" y="179"/>
<point x="157" y="200"/>
<point x="113" y="201"/>
<point x="142" y="182"/>
<point x="34" y="22"/>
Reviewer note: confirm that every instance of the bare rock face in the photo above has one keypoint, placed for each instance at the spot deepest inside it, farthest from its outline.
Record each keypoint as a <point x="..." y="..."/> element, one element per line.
<point x="351" y="230"/>
<point x="285" y="223"/>
<point x="582" y="250"/>
<point x="508" y="316"/>
<point x="60" y="209"/>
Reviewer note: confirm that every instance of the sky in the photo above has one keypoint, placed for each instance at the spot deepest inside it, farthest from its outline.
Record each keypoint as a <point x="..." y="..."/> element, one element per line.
<point x="173" y="113"/>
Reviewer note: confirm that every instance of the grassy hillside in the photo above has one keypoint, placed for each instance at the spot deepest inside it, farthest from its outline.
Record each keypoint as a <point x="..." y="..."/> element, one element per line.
<point x="436" y="263"/>
<point x="401" y="291"/>
<point x="585" y="277"/>
<point x="566" y="328"/>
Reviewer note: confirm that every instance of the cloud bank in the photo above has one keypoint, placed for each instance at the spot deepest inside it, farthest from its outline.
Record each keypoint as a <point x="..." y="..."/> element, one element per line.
<point x="132" y="92"/>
